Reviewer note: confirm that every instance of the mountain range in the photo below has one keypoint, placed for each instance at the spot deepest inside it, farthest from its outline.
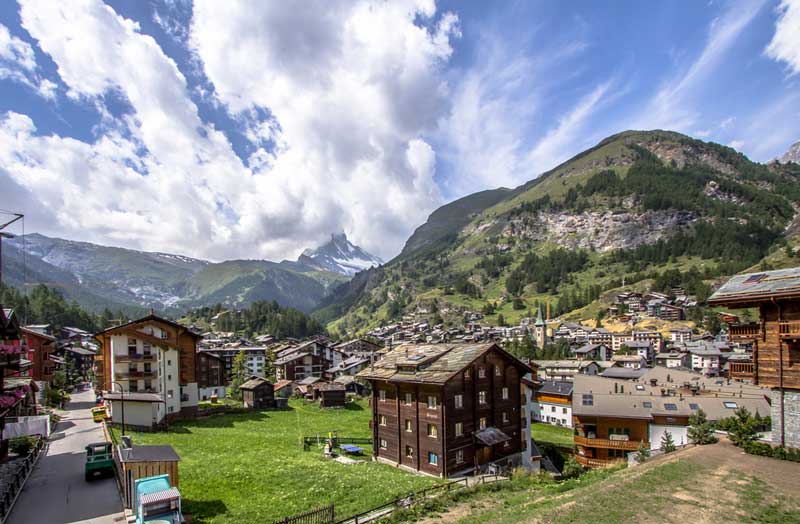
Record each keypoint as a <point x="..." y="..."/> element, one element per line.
<point x="637" y="206"/>
<point x="101" y="276"/>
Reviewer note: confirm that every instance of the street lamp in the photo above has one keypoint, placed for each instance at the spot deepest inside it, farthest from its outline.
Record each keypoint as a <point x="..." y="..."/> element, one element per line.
<point x="121" y="401"/>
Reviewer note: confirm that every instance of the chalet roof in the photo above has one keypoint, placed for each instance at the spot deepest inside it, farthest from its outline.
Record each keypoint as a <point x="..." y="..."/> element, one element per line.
<point x="431" y="363"/>
<point x="151" y="318"/>
<point x="751" y="288"/>
<point x="551" y="387"/>
<point x="28" y="330"/>
<point x="329" y="386"/>
<point x="615" y="372"/>
<point x="291" y="357"/>
<point x="588" y="348"/>
<point x="634" y="344"/>
<point x="704" y="351"/>
<point x="80" y="351"/>
<point x="570" y="364"/>
<point x="129" y="396"/>
<point x="149" y="454"/>
<point x="626" y="358"/>
<point x="255" y="382"/>
<point x="491" y="436"/>
<point x="308" y="381"/>
<point x="279" y="385"/>
<point x="640" y="398"/>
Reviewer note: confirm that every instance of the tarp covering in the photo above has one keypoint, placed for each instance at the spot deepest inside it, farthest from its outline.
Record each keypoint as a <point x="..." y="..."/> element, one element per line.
<point x="36" y="425"/>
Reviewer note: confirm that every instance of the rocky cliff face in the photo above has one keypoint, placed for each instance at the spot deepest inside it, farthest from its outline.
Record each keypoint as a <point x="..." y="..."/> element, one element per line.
<point x="793" y="155"/>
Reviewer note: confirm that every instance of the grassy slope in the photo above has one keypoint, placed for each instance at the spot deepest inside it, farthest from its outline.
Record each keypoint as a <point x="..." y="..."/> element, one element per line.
<point x="251" y="468"/>
<point x="550" y="433"/>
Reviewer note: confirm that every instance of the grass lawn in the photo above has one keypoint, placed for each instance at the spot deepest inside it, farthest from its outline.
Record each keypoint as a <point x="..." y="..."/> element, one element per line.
<point x="251" y="468"/>
<point x="549" y="433"/>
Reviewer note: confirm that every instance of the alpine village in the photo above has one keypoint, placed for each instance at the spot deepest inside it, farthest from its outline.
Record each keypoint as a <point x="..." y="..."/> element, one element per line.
<point x="613" y="340"/>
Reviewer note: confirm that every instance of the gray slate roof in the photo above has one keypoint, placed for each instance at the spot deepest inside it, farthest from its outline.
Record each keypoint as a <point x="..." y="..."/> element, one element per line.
<point x="757" y="287"/>
<point x="148" y="454"/>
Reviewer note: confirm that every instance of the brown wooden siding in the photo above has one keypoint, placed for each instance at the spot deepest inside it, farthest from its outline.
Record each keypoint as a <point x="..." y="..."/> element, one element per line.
<point x="778" y="356"/>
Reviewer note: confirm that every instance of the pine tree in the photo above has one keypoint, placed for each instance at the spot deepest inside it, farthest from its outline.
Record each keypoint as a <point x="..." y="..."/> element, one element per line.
<point x="239" y="374"/>
<point x="700" y="430"/>
<point x="643" y="453"/>
<point x="667" y="444"/>
<point x="743" y="427"/>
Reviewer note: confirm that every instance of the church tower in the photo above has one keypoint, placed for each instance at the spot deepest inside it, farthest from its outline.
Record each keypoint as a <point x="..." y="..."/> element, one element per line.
<point x="539" y="330"/>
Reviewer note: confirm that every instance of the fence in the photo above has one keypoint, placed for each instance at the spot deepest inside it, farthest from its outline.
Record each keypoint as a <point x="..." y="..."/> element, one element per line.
<point x="322" y="515"/>
<point x="319" y="439"/>
<point x="13" y="475"/>
<point x="326" y="515"/>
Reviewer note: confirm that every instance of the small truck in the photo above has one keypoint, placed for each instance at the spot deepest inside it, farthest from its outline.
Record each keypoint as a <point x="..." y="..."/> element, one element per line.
<point x="156" y="501"/>
<point x="99" y="460"/>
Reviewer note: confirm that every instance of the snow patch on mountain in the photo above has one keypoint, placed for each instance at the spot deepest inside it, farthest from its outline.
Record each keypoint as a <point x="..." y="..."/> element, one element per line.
<point x="339" y="255"/>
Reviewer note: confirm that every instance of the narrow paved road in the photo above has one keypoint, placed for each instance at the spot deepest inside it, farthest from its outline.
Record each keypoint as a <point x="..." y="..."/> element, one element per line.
<point x="57" y="493"/>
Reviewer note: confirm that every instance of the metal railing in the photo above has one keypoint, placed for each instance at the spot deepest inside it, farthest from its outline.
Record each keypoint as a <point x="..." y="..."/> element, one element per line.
<point x="13" y="477"/>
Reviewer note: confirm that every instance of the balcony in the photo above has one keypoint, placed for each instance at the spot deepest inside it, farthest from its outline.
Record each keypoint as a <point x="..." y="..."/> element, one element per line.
<point x="626" y="445"/>
<point x="742" y="370"/>
<point x="134" y="375"/>
<point x="597" y="463"/>
<point x="134" y="357"/>
<point x="789" y="329"/>
<point x="744" y="332"/>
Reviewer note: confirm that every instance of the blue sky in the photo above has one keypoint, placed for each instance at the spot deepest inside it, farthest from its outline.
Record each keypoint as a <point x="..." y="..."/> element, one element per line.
<point x="254" y="130"/>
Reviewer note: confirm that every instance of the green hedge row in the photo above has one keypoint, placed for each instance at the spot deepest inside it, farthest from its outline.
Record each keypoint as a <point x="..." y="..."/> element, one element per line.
<point x="765" y="450"/>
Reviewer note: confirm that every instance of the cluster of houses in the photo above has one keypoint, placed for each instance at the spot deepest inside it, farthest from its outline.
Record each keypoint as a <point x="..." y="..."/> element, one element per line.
<point x="634" y="306"/>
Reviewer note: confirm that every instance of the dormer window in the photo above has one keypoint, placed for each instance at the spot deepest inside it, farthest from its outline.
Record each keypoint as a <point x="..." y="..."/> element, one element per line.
<point x="481" y="372"/>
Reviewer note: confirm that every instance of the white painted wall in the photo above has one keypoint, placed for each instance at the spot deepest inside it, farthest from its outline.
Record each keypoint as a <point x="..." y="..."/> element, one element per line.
<point x="205" y="393"/>
<point x="679" y="435"/>
<point x="136" y="413"/>
<point x="552" y="413"/>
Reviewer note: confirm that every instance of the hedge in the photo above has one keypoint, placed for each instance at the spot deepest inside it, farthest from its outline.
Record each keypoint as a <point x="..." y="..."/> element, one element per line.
<point x="765" y="450"/>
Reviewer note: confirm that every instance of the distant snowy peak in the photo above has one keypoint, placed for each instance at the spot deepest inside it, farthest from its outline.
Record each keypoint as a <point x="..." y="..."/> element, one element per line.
<point x="339" y="255"/>
<point x="793" y="155"/>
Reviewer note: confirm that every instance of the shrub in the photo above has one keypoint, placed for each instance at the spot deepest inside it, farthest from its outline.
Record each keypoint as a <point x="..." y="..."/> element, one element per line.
<point x="572" y="469"/>
<point x="700" y="429"/>
<point x="22" y="445"/>
<point x="643" y="453"/>
<point x="765" y="450"/>
<point x="742" y="427"/>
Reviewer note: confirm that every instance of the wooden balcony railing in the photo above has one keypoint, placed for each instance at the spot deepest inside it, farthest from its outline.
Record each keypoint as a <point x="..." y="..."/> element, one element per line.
<point x="741" y="369"/>
<point x="627" y="445"/>
<point x="597" y="463"/>
<point x="745" y="331"/>
<point x="789" y="329"/>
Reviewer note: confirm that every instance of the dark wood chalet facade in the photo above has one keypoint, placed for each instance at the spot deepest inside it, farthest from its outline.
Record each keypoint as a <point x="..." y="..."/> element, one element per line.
<point x="775" y="339"/>
<point x="444" y="409"/>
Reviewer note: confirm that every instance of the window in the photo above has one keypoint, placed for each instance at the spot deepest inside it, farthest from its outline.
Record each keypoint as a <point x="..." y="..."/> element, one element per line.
<point x="459" y="429"/>
<point x="459" y="456"/>
<point x="505" y="417"/>
<point x="553" y="409"/>
<point x="408" y="426"/>
<point x="409" y="399"/>
<point x="482" y="423"/>
<point x="409" y="452"/>
<point x="639" y="387"/>
<point x="481" y="372"/>
<point x="433" y="431"/>
<point x="169" y="377"/>
<point x="730" y="405"/>
<point x="505" y="393"/>
<point x="459" y="400"/>
<point x="131" y="345"/>
<point x="467" y="375"/>
<point x="587" y="399"/>
<point x="169" y="362"/>
<point x="383" y="443"/>
<point x="694" y="407"/>
<point x="433" y="459"/>
<point x="432" y="402"/>
<point x="481" y="397"/>
<point x="382" y="420"/>
<point x="670" y="407"/>
<point x="497" y="371"/>
<point x="647" y="404"/>
<point x="169" y="393"/>
<point x="146" y="348"/>
<point x="382" y="395"/>
<point x="564" y="410"/>
<point x="616" y="453"/>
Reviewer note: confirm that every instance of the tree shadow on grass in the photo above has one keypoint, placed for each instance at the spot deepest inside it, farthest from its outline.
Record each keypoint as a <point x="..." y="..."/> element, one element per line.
<point x="353" y="406"/>
<point x="205" y="510"/>
<point x="227" y="420"/>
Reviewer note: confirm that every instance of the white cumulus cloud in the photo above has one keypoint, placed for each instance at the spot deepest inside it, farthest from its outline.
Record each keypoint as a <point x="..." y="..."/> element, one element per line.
<point x="785" y="44"/>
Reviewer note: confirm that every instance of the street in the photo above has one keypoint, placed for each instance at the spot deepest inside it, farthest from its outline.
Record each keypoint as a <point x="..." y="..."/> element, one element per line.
<point x="57" y="493"/>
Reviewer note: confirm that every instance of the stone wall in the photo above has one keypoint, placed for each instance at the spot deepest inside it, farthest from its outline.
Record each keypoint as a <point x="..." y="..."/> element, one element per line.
<point x="791" y="415"/>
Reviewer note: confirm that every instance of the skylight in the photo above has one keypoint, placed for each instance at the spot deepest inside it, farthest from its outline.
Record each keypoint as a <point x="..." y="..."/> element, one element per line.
<point x="694" y="407"/>
<point x="671" y="407"/>
<point x="754" y="279"/>
<point x="588" y="399"/>
<point x="647" y="404"/>
<point x="730" y="405"/>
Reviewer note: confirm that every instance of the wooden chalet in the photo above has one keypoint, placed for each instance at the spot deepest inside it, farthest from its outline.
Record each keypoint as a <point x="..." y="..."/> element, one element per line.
<point x="775" y="339"/>
<point x="447" y="409"/>
<point x="258" y="393"/>
<point x="330" y="395"/>
<point x="40" y="347"/>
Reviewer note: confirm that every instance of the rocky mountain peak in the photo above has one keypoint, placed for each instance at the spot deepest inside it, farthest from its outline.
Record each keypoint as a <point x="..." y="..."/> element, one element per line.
<point x="339" y="255"/>
<point x="793" y="155"/>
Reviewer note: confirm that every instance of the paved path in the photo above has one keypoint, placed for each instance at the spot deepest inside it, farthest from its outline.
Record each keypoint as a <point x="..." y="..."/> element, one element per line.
<point x="57" y="493"/>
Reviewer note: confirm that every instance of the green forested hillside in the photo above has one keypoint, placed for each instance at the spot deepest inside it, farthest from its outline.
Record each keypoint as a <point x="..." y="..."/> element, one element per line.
<point x="641" y="208"/>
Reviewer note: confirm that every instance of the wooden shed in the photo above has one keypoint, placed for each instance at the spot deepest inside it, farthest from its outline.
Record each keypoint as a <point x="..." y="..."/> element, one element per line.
<point x="330" y="395"/>
<point x="138" y="462"/>
<point x="258" y="393"/>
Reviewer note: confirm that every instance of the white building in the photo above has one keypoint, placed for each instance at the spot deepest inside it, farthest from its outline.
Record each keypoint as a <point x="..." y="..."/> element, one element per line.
<point x="552" y="404"/>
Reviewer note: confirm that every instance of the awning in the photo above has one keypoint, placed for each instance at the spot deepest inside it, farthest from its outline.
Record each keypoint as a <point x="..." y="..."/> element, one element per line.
<point x="491" y="436"/>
